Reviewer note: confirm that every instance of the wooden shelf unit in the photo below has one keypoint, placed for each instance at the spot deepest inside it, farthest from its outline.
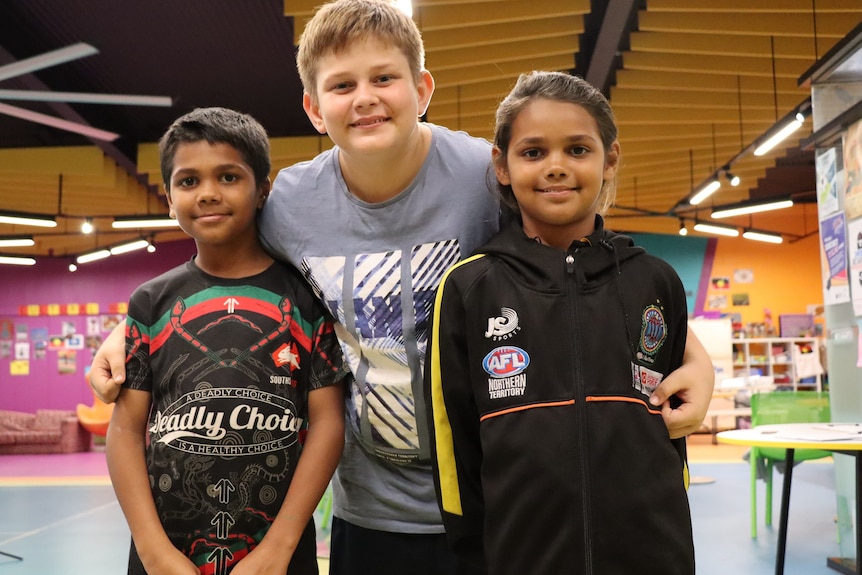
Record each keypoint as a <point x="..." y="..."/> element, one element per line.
<point x="773" y="357"/>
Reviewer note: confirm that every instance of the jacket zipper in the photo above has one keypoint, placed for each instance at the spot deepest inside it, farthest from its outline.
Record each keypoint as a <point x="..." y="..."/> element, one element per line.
<point x="580" y="411"/>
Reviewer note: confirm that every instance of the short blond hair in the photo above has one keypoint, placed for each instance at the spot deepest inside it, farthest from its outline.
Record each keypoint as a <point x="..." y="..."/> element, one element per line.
<point x="339" y="23"/>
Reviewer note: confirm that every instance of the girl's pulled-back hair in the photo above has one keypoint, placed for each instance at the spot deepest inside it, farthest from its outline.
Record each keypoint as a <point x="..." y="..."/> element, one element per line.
<point x="338" y="24"/>
<point x="218" y="126"/>
<point x="559" y="87"/>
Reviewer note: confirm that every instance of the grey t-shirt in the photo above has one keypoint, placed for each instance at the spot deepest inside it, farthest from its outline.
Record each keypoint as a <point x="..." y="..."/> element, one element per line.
<point x="376" y="268"/>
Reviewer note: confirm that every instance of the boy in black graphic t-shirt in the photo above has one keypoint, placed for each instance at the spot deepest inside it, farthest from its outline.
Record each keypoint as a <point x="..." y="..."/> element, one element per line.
<point x="233" y="371"/>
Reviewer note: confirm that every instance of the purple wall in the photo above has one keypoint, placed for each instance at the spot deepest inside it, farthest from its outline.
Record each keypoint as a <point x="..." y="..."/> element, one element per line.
<point x="56" y="376"/>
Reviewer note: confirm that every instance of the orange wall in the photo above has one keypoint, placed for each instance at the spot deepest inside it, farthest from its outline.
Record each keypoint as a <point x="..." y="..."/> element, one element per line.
<point x="786" y="277"/>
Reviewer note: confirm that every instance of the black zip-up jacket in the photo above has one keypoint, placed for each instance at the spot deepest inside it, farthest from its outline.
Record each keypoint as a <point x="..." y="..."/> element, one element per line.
<point x="548" y="458"/>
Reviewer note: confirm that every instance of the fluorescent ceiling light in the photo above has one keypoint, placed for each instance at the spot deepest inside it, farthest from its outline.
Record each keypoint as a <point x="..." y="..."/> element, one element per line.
<point x="46" y="120"/>
<point x="47" y="60"/>
<point x="762" y="237"/>
<point x="23" y="220"/>
<point x="19" y="242"/>
<point x="751" y="209"/>
<point x="153" y="222"/>
<point x="85" y="98"/>
<point x="707" y="191"/>
<point x="92" y="256"/>
<point x="13" y="261"/>
<point x="788" y="129"/>
<point x="129" y="247"/>
<point x="719" y="230"/>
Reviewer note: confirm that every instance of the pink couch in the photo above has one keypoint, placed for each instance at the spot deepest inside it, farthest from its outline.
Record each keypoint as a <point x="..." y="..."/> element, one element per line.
<point x="46" y="431"/>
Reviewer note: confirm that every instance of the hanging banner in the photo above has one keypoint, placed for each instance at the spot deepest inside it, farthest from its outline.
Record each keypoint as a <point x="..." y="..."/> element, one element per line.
<point x="827" y="185"/>
<point x="853" y="171"/>
<point x="833" y="243"/>
<point x="854" y="242"/>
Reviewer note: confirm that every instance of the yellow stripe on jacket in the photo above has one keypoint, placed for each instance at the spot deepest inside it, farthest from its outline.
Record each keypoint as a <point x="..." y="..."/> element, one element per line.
<point x="450" y="492"/>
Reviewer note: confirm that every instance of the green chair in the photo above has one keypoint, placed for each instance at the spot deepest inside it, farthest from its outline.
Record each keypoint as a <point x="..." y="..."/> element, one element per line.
<point x="782" y="407"/>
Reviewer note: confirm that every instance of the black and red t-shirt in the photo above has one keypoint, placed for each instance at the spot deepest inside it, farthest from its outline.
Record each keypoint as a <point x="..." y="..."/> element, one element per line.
<point x="229" y="363"/>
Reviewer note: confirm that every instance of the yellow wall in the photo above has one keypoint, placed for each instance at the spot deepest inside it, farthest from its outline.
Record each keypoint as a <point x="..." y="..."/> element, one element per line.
<point x="786" y="277"/>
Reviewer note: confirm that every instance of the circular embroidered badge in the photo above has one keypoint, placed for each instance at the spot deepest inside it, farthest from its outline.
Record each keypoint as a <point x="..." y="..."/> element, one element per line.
<point x="653" y="330"/>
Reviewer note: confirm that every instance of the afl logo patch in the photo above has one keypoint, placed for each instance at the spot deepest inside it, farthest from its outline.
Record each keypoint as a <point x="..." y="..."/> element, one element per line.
<point x="506" y="361"/>
<point x="653" y="330"/>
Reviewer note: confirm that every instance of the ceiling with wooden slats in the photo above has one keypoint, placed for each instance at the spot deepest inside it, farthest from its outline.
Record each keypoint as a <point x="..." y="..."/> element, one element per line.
<point x="694" y="85"/>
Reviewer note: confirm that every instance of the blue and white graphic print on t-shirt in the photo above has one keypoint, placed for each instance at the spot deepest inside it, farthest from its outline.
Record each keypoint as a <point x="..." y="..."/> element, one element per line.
<point x="382" y="303"/>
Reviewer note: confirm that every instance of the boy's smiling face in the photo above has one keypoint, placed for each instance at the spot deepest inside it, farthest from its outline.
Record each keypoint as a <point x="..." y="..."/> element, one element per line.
<point x="367" y="99"/>
<point x="213" y="195"/>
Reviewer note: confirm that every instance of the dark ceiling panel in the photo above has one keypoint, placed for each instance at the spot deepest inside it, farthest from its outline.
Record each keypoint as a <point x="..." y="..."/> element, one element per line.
<point x="691" y="82"/>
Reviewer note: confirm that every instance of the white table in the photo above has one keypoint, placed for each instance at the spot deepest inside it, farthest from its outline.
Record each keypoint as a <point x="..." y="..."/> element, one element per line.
<point x="792" y="436"/>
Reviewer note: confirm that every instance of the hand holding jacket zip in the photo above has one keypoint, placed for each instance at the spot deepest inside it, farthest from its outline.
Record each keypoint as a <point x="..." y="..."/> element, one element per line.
<point x="692" y="384"/>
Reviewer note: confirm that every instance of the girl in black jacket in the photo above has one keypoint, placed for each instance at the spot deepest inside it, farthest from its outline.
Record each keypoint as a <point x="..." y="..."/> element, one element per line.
<point x="546" y="346"/>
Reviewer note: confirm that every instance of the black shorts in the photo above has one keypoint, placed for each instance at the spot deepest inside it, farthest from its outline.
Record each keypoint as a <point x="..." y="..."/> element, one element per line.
<point x="355" y="550"/>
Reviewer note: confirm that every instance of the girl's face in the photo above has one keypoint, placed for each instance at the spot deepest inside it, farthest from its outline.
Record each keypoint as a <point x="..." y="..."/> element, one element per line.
<point x="556" y="165"/>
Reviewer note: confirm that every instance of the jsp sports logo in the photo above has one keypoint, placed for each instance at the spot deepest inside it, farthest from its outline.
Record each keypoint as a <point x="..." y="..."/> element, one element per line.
<point x="504" y="326"/>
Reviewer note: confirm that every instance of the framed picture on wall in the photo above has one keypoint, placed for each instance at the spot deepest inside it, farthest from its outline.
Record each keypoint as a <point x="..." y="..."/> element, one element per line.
<point x="740" y="299"/>
<point x="75" y="341"/>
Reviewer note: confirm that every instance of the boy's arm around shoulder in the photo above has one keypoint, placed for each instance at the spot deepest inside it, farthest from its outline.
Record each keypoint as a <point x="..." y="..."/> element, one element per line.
<point x="108" y="369"/>
<point x="125" y="447"/>
<point x="320" y="454"/>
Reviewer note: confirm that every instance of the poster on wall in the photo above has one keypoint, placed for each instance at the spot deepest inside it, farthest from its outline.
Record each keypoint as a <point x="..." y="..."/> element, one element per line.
<point x="93" y="342"/>
<point x="6" y="328"/>
<point x="110" y="321"/>
<point x="19" y="367"/>
<point x="853" y="171"/>
<point x="22" y="350"/>
<point x="39" y="335"/>
<point x="68" y="328"/>
<point x="716" y="301"/>
<point x="743" y="275"/>
<point x="740" y="299"/>
<point x="66" y="361"/>
<point x="75" y="341"/>
<point x="854" y="241"/>
<point x="720" y="283"/>
<point x="827" y="185"/>
<point x="833" y="245"/>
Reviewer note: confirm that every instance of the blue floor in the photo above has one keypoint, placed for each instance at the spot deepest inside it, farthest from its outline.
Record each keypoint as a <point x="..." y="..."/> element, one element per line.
<point x="80" y="530"/>
<point x="73" y="530"/>
<point x="722" y="521"/>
